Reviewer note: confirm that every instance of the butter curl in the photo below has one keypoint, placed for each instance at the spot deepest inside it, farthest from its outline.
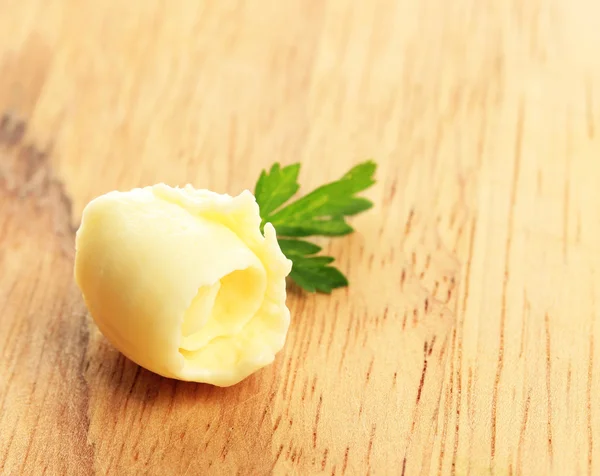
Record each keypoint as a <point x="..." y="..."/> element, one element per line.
<point x="183" y="282"/>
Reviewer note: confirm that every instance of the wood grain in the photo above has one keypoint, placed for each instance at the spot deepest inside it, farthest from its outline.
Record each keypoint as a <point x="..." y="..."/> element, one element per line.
<point x="468" y="341"/>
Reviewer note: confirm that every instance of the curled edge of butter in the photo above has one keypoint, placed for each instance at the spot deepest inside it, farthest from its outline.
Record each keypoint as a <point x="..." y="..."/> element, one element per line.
<point x="183" y="282"/>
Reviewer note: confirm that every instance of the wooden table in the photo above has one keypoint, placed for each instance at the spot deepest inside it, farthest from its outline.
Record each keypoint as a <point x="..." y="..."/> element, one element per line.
<point x="468" y="341"/>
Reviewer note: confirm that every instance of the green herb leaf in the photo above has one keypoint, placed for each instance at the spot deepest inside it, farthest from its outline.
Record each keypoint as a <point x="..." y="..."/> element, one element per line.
<point x="336" y="226"/>
<point x="324" y="279"/>
<point x="322" y="212"/>
<point x="292" y="248"/>
<point x="311" y="272"/>
<point x="275" y="188"/>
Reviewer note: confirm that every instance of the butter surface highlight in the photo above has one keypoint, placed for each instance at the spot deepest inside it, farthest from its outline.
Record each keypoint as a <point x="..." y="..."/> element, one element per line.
<point x="182" y="281"/>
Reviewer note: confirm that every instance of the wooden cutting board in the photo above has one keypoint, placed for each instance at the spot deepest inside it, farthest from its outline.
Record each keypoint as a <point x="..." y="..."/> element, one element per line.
<point x="468" y="341"/>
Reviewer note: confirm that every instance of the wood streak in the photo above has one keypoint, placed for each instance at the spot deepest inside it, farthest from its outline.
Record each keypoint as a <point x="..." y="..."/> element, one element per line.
<point x="369" y="370"/>
<point x="449" y="387"/>
<point x="317" y="417"/>
<point x="548" y="384"/>
<point x="589" y="108"/>
<point x="522" y="434"/>
<point x="345" y="464"/>
<point x="409" y="220"/>
<point x="422" y="381"/>
<point x="524" y="317"/>
<point x="590" y="431"/>
<point x="507" y="253"/>
<point x="324" y="460"/>
<point x="370" y="446"/>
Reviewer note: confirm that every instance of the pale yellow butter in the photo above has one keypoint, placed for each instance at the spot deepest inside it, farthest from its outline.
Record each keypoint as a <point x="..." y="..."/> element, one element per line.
<point x="182" y="281"/>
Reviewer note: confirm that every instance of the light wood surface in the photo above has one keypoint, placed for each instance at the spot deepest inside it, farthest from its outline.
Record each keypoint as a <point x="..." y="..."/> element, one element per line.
<point x="468" y="341"/>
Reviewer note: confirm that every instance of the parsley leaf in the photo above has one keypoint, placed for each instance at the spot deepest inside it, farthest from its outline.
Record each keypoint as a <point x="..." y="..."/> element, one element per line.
<point x="311" y="272"/>
<point x="275" y="188"/>
<point x="322" y="212"/>
<point x="297" y="247"/>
